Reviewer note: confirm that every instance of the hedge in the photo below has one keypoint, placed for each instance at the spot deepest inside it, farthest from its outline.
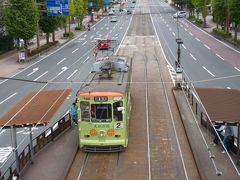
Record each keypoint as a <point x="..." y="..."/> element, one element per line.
<point x="42" y="48"/>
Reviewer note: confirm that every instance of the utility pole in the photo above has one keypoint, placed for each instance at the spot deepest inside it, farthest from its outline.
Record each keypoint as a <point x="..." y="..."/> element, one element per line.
<point x="178" y="62"/>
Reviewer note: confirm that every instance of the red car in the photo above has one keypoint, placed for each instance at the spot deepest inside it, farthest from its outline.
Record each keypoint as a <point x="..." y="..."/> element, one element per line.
<point x="103" y="44"/>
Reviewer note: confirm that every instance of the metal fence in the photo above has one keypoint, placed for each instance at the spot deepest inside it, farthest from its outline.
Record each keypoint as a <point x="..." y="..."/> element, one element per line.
<point x="38" y="143"/>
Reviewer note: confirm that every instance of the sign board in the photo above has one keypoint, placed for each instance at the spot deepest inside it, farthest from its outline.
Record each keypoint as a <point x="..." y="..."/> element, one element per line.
<point x="57" y="7"/>
<point x="21" y="55"/>
<point x="105" y="2"/>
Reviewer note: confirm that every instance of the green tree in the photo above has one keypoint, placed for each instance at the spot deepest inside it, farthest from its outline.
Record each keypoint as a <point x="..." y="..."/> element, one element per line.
<point x="21" y="19"/>
<point x="79" y="10"/>
<point x="48" y="24"/>
<point x="234" y="10"/>
<point x="219" y="11"/>
<point x="71" y="10"/>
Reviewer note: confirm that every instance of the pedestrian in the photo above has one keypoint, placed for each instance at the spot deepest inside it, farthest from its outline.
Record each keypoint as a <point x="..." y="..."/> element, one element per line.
<point x="73" y="113"/>
<point x="219" y="129"/>
<point x="228" y="137"/>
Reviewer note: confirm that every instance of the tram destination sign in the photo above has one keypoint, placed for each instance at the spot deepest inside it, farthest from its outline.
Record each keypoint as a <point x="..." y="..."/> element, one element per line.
<point x="101" y="98"/>
<point x="57" y="7"/>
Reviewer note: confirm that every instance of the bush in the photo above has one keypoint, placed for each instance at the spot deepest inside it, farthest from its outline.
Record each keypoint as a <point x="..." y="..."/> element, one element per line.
<point x="6" y="43"/>
<point x="199" y="22"/>
<point x="77" y="28"/>
<point x="221" y="33"/>
<point x="42" y="48"/>
<point x="68" y="34"/>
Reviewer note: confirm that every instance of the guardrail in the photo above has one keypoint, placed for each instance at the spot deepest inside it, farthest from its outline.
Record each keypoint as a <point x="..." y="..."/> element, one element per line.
<point x="38" y="143"/>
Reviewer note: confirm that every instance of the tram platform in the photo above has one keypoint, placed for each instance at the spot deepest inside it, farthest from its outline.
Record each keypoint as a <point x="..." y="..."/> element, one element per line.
<point x="53" y="161"/>
<point x="212" y="164"/>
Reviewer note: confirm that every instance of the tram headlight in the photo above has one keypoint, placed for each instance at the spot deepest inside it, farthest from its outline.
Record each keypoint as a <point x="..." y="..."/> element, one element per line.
<point x="101" y="133"/>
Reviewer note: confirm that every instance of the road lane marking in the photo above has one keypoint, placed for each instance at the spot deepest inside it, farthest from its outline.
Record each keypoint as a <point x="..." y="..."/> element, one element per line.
<point x="191" y="34"/>
<point x="237" y="69"/>
<point x="63" y="69"/>
<point x="40" y="76"/>
<point x="84" y="43"/>
<point x="193" y="57"/>
<point x="184" y="46"/>
<point x="208" y="71"/>
<point x="20" y="131"/>
<point x="116" y="34"/>
<point x="91" y="37"/>
<point x="75" y="50"/>
<point x="34" y="70"/>
<point x="61" y="61"/>
<point x="9" y="97"/>
<point x="220" y="57"/>
<point x="2" y="131"/>
<point x="72" y="74"/>
<point x="173" y="33"/>
<point x="197" y="39"/>
<point x="170" y="29"/>
<point x="185" y="29"/>
<point x="206" y="46"/>
<point x="86" y="59"/>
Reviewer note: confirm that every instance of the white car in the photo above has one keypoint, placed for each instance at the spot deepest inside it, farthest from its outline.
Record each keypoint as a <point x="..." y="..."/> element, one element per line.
<point x="180" y="14"/>
<point x="113" y="19"/>
<point x="110" y="13"/>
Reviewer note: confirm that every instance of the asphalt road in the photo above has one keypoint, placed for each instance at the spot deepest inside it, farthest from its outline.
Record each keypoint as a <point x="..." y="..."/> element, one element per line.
<point x="206" y="61"/>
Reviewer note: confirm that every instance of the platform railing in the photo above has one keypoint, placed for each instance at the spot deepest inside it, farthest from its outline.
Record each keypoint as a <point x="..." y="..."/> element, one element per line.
<point x="24" y="157"/>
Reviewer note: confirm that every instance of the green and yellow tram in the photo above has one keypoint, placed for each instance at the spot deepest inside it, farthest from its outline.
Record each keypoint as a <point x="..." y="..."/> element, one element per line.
<point x="104" y="106"/>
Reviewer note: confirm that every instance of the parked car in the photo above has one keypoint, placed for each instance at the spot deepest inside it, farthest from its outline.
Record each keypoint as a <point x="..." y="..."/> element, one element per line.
<point x="113" y="19"/>
<point x="134" y="1"/>
<point x="180" y="14"/>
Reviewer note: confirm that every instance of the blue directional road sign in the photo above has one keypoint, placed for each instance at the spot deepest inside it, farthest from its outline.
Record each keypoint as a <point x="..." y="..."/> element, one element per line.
<point x="106" y="2"/>
<point x="57" y="7"/>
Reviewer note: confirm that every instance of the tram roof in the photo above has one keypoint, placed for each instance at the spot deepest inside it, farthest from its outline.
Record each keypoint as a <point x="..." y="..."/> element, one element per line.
<point x="222" y="105"/>
<point x="105" y="84"/>
<point x="35" y="109"/>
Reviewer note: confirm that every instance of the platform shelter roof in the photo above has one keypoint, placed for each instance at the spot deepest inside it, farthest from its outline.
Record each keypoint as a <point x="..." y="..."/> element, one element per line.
<point x="35" y="109"/>
<point x="222" y="105"/>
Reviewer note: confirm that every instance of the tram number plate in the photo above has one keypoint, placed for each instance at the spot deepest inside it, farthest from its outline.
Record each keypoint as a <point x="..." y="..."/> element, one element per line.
<point x="118" y="125"/>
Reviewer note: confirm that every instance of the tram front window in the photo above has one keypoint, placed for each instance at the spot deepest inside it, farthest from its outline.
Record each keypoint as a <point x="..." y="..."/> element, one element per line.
<point x="101" y="112"/>
<point x="85" y="110"/>
<point x="117" y="112"/>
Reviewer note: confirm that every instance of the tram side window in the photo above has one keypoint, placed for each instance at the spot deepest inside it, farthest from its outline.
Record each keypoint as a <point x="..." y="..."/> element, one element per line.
<point x="118" y="116"/>
<point x="85" y="111"/>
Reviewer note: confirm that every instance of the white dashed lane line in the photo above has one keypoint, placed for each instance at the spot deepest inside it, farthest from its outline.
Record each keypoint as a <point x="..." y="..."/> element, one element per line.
<point x="206" y="46"/>
<point x="237" y="69"/>
<point x="72" y="74"/>
<point x="173" y="33"/>
<point x="184" y="46"/>
<point x="75" y="50"/>
<point x="191" y="34"/>
<point x="9" y="97"/>
<point x="86" y="59"/>
<point x="40" y="76"/>
<point x="208" y="71"/>
<point x="192" y="56"/>
<point x="220" y="57"/>
<point x="197" y="39"/>
<point x="84" y="43"/>
<point x="61" y="61"/>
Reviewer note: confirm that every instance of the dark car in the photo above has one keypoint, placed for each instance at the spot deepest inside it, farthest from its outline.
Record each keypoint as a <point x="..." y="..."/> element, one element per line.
<point x="129" y="11"/>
